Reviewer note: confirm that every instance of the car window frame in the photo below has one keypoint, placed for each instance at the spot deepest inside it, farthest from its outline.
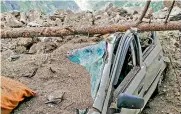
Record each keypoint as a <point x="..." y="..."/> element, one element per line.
<point x="130" y="76"/>
<point x="148" y="50"/>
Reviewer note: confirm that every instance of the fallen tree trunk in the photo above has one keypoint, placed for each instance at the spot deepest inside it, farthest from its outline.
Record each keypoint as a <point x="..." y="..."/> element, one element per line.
<point x="57" y="31"/>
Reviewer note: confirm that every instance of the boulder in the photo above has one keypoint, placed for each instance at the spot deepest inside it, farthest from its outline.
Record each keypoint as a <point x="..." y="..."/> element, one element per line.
<point x="20" y="49"/>
<point x="160" y="14"/>
<point x="43" y="47"/>
<point x="58" y="22"/>
<point x="12" y="21"/>
<point x="25" y="42"/>
<point x="62" y="12"/>
<point x="168" y="3"/>
<point x="23" y="17"/>
<point x="138" y="10"/>
<point x="175" y="14"/>
<point x="107" y="6"/>
<point x="32" y="15"/>
<point x="15" y="13"/>
<point x="33" y="24"/>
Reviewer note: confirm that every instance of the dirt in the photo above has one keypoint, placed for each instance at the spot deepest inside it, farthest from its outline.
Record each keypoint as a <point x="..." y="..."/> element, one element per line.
<point x="168" y="98"/>
<point x="57" y="75"/>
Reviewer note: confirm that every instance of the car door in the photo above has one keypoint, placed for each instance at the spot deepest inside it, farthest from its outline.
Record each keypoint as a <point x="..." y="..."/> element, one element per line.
<point x="153" y="60"/>
<point x="134" y="81"/>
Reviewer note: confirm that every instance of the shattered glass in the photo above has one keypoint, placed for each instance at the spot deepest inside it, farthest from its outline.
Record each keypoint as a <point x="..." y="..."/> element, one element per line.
<point x="92" y="58"/>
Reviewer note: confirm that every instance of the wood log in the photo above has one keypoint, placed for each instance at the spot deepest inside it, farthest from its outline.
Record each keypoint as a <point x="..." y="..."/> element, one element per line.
<point x="57" y="31"/>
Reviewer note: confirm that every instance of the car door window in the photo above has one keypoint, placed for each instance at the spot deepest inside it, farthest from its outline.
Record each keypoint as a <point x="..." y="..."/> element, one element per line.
<point x="127" y="66"/>
<point x="130" y="67"/>
<point x="147" y="41"/>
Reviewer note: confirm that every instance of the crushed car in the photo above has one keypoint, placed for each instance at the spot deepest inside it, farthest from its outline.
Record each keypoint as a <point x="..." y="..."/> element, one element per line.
<point x="125" y="71"/>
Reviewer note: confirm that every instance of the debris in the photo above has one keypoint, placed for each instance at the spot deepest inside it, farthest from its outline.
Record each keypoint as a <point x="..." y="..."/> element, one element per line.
<point x="13" y="57"/>
<point x="55" y="97"/>
<point x="69" y="105"/>
<point x="53" y="71"/>
<point x="30" y="75"/>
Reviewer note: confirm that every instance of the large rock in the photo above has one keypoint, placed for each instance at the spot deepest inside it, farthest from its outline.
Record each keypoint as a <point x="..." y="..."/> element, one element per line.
<point x="63" y="12"/>
<point x="32" y="15"/>
<point x="108" y="6"/>
<point x="23" y="17"/>
<point x="43" y="47"/>
<point x="58" y="22"/>
<point x="138" y="10"/>
<point x="12" y="21"/>
<point x="168" y="3"/>
<point x="161" y="14"/>
<point x="175" y="14"/>
<point x="15" y="13"/>
<point x="33" y="24"/>
<point x="25" y="42"/>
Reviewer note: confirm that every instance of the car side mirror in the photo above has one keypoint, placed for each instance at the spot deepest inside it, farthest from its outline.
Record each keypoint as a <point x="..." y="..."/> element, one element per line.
<point x="129" y="101"/>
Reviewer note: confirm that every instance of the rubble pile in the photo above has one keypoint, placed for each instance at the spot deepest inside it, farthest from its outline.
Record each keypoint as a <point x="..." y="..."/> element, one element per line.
<point x="62" y="17"/>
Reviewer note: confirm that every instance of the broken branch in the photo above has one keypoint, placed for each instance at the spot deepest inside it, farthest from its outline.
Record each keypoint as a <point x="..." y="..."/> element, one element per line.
<point x="144" y="12"/>
<point x="57" y="31"/>
<point x="169" y="11"/>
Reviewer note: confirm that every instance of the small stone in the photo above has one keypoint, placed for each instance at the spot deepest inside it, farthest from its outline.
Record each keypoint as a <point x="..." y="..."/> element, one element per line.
<point x="177" y="93"/>
<point x="45" y="39"/>
<point x="98" y="17"/>
<point x="13" y="57"/>
<point x="33" y="24"/>
<point x="55" y="97"/>
<point x="16" y="13"/>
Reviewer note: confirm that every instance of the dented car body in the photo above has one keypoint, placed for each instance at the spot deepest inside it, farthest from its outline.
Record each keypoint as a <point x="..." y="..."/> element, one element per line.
<point x="130" y="75"/>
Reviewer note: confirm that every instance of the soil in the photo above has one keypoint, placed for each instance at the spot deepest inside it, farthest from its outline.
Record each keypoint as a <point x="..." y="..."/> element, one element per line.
<point x="56" y="75"/>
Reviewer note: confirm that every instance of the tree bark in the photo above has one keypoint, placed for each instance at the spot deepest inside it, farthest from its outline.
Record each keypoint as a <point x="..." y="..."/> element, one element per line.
<point x="57" y="31"/>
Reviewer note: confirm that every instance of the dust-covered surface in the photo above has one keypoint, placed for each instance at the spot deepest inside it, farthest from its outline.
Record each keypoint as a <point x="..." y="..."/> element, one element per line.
<point x="55" y="75"/>
<point x="168" y="98"/>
